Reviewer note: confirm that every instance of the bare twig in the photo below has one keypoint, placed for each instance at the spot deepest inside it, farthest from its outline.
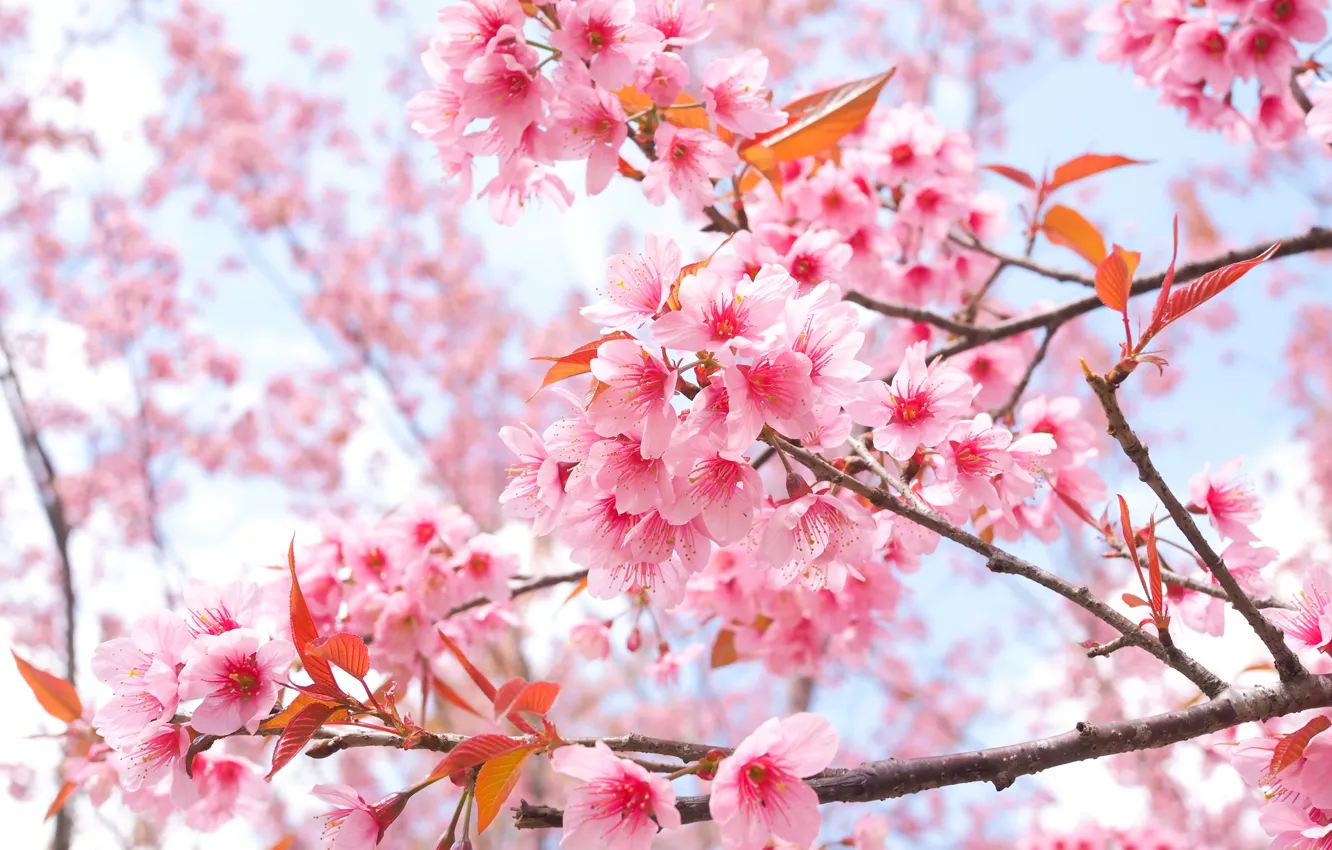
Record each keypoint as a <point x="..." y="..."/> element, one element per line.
<point x="914" y="314"/>
<point x="1006" y="409"/>
<point x="521" y="590"/>
<point x="1288" y="666"/>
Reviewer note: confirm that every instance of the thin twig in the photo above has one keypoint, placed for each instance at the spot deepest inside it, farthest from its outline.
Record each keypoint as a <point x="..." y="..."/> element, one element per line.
<point x="520" y="590"/>
<point x="1006" y="409"/>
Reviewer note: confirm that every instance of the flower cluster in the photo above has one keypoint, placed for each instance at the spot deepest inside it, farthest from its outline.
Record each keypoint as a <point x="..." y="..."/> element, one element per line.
<point x="1296" y="812"/>
<point x="489" y="64"/>
<point x="652" y="472"/>
<point x="216" y="657"/>
<point x="397" y="581"/>
<point x="1196" y="54"/>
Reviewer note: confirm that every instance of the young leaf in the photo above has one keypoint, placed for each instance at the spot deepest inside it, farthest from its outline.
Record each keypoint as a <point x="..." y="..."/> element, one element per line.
<point x="474" y="751"/>
<point x="576" y="362"/>
<point x="1064" y="226"/>
<point x="1112" y="281"/>
<point x="1210" y="285"/>
<point x="1017" y="175"/>
<point x="506" y="694"/>
<point x="634" y="101"/>
<point x="451" y="696"/>
<point x="299" y="704"/>
<point x="343" y="650"/>
<point x="1156" y="585"/>
<point x="297" y="734"/>
<point x="1080" y="167"/>
<point x="1132" y="600"/>
<point x="814" y="124"/>
<point x="56" y="696"/>
<point x="673" y="299"/>
<point x="536" y="698"/>
<point x="1290" y="748"/>
<point x="1163" y="297"/>
<point x="495" y="782"/>
<point x="478" y="677"/>
<point x="723" y="649"/>
<point x="578" y="588"/>
<point x="285" y="843"/>
<point x="61" y="798"/>
<point x="303" y="630"/>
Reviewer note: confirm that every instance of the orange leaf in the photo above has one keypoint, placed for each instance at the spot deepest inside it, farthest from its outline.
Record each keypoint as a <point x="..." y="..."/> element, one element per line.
<point x="536" y="698"/>
<point x="1086" y="165"/>
<point x="56" y="696"/>
<point x="1017" y="175"/>
<point x="1112" y="281"/>
<point x="1126" y="528"/>
<point x="1156" y="587"/>
<point x="303" y="630"/>
<point x="1132" y="600"/>
<point x="285" y="843"/>
<point x="694" y="117"/>
<point x="474" y="751"/>
<point x="495" y="782"/>
<point x="1066" y="227"/>
<point x="506" y="694"/>
<point x="451" y="696"/>
<point x="1209" y="286"/>
<point x="343" y="650"/>
<point x="297" y="734"/>
<point x="282" y="718"/>
<point x="1290" y="748"/>
<point x="673" y="299"/>
<point x="723" y="649"/>
<point x="578" y="588"/>
<point x="576" y="362"/>
<point x="61" y="798"/>
<point x="815" y="123"/>
<point x="478" y="677"/>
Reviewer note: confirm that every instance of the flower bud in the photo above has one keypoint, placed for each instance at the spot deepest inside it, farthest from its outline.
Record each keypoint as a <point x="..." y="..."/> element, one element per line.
<point x="635" y="640"/>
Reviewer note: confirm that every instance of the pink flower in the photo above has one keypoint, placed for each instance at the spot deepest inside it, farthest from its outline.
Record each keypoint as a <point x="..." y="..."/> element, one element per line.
<point x="828" y="429"/>
<point x="1062" y="419"/>
<point x="639" y="483"/>
<point x="655" y="539"/>
<point x="715" y="312"/>
<point x="662" y="76"/>
<point x="807" y="537"/>
<point x="758" y="794"/>
<point x="596" y="531"/>
<point x="663" y="582"/>
<point x="1200" y="53"/>
<point x="920" y="407"/>
<point x="226" y="788"/>
<point x="518" y="181"/>
<point x="1279" y="119"/>
<point x="773" y="390"/>
<point x="735" y="97"/>
<point x="1319" y="120"/>
<point x="535" y="487"/>
<point x="1261" y="50"/>
<point x="640" y="390"/>
<point x="159" y="752"/>
<point x="974" y="453"/>
<point x="604" y="33"/>
<point x="666" y="669"/>
<point x="353" y="825"/>
<point x="1310" y="624"/>
<point x="216" y="610"/>
<point x="824" y="328"/>
<point x="591" y="639"/>
<point x="619" y="806"/>
<point x="1229" y="503"/>
<point x="141" y="670"/>
<point x="817" y="256"/>
<point x="1302" y="20"/>
<point x="686" y="159"/>
<point x="637" y="285"/>
<point x="502" y="88"/>
<point x="589" y="123"/>
<point x="907" y="142"/>
<point x="725" y="491"/>
<point x="237" y="674"/>
<point x="1294" y="826"/>
<point x="682" y="22"/>
<point x="466" y="29"/>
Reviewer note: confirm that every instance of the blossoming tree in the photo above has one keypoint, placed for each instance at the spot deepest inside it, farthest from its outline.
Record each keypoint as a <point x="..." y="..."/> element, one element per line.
<point x="699" y="508"/>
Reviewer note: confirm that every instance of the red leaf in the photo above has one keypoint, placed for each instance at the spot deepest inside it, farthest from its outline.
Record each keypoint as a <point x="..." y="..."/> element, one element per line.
<point x="285" y="843"/>
<point x="1290" y="748"/>
<point x="451" y="696"/>
<point x="1112" y="281"/>
<point x="1064" y="226"/>
<point x="1156" y="587"/>
<point x="1134" y="601"/>
<point x="723" y="649"/>
<point x="495" y="782"/>
<point x="56" y="696"/>
<point x="1017" y="175"/>
<point x="343" y="650"/>
<point x="474" y="751"/>
<point x="576" y="362"/>
<point x="537" y="698"/>
<point x="1210" y="285"/>
<point x="297" y="734"/>
<point x="1126" y="528"/>
<point x="303" y="630"/>
<point x="299" y="704"/>
<point x="578" y="588"/>
<point x="1080" y="167"/>
<point x="1162" y="298"/>
<point x="478" y="677"/>
<point x="61" y="798"/>
<point x="506" y="694"/>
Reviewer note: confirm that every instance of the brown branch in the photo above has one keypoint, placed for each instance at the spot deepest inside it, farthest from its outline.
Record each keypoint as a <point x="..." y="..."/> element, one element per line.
<point x="334" y="742"/>
<point x="999" y="561"/>
<point x="1315" y="239"/>
<point x="1216" y="592"/>
<point x="1006" y="409"/>
<point x="520" y="590"/>
<point x="1030" y="265"/>
<point x="914" y="314"/>
<point x="883" y="780"/>
<point x="1287" y="664"/>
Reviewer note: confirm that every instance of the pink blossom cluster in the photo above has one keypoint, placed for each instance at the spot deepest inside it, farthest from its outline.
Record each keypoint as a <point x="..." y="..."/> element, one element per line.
<point x="491" y="62"/>
<point x="216" y="658"/>
<point x="1196" y="54"/>
<point x="653" y="470"/>
<point x="395" y="582"/>
<point x="1295" y="813"/>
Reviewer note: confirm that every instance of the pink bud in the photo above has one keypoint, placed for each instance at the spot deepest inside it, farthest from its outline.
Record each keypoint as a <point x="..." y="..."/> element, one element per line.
<point x="635" y="640"/>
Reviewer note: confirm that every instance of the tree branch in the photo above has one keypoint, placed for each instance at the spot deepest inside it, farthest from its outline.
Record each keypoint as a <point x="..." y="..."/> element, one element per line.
<point x="883" y="780"/>
<point x="914" y="314"/>
<point x="1216" y="592"/>
<point x="520" y="590"/>
<point x="1006" y="409"/>
<point x="1287" y="664"/>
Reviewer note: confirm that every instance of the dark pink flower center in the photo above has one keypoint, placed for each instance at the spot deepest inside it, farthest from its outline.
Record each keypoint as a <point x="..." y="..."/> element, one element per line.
<point x="912" y="407"/>
<point x="727" y="320"/>
<point x="425" y="532"/>
<point x="902" y="154"/>
<point x="212" y="621"/>
<point x="1283" y="10"/>
<point x="243" y="678"/>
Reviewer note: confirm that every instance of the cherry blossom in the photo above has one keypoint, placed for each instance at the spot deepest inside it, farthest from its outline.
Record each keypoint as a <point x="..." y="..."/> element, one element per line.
<point x="238" y="674"/>
<point x="686" y="160"/>
<point x="920" y="407"/>
<point x="619" y="804"/>
<point x="735" y="97"/>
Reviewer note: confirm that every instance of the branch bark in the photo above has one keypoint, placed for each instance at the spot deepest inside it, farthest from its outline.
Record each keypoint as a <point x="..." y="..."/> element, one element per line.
<point x="520" y="590"/>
